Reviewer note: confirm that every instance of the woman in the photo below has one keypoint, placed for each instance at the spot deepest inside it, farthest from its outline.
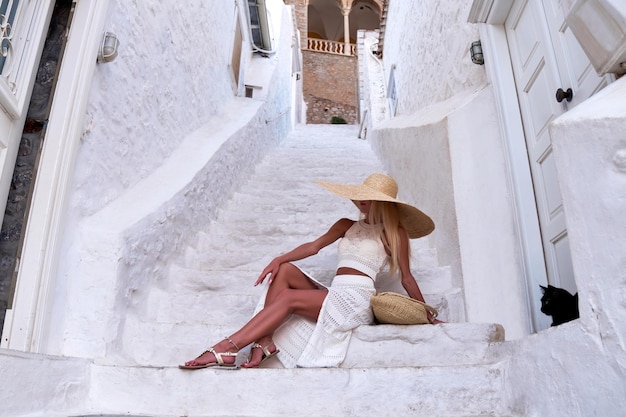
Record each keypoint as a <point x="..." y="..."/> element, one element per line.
<point x="309" y="325"/>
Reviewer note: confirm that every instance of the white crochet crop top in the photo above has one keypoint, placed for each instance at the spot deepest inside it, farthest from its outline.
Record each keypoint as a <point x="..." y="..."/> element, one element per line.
<point x="362" y="249"/>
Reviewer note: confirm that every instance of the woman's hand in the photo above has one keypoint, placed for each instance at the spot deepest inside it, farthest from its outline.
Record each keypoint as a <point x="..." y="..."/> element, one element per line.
<point x="271" y="270"/>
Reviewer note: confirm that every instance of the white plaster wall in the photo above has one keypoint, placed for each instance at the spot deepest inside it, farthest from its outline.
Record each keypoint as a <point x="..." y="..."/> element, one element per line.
<point x="575" y="369"/>
<point x="444" y="147"/>
<point x="415" y="152"/>
<point x="372" y="86"/>
<point x="37" y="385"/>
<point x="460" y="179"/>
<point x="492" y="280"/>
<point x="113" y="254"/>
<point x="429" y="42"/>
<point x="579" y="368"/>
<point x="171" y="76"/>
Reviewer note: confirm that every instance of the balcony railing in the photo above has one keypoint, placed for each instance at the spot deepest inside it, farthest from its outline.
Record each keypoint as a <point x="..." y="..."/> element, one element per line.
<point x="330" y="47"/>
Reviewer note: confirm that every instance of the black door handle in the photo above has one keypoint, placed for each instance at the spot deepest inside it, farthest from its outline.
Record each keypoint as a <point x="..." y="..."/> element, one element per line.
<point x="564" y="95"/>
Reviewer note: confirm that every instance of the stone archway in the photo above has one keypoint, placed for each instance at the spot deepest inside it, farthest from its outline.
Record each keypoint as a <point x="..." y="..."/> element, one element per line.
<point x="326" y="19"/>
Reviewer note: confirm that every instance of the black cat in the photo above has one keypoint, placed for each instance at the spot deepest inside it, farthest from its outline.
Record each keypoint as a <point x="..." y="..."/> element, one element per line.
<point x="559" y="304"/>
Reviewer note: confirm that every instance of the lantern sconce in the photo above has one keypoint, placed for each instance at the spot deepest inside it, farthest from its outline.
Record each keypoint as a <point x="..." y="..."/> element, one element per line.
<point x="476" y="51"/>
<point x="108" y="48"/>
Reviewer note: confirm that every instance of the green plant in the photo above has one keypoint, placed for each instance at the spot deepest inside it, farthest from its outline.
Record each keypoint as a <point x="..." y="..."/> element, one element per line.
<point x="338" y="120"/>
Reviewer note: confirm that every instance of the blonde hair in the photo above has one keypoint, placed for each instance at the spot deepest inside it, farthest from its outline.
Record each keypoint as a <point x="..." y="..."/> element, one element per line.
<point x="387" y="213"/>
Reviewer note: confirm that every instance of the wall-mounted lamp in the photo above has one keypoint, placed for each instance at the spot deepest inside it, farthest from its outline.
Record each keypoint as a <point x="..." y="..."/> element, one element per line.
<point x="108" y="48"/>
<point x="476" y="51"/>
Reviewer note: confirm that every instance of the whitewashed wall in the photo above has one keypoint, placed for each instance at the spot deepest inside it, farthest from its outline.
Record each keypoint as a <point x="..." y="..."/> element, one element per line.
<point x="159" y="156"/>
<point x="170" y="77"/>
<point x="579" y="368"/>
<point x="429" y="42"/>
<point x="444" y="147"/>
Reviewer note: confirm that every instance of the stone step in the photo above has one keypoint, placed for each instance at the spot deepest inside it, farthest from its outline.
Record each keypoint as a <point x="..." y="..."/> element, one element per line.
<point x="288" y="226"/>
<point x="218" y="307"/>
<point x="212" y="295"/>
<point x="423" y="345"/>
<point x="254" y="252"/>
<point x="149" y="343"/>
<point x="188" y="282"/>
<point x="444" y="370"/>
<point x="416" y="391"/>
<point x="222" y="244"/>
<point x="100" y="389"/>
<point x="267" y="215"/>
<point x="229" y="297"/>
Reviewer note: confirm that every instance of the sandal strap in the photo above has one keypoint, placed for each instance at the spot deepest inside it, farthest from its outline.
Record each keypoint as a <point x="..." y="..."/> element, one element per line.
<point x="218" y="355"/>
<point x="264" y="349"/>
<point x="231" y="342"/>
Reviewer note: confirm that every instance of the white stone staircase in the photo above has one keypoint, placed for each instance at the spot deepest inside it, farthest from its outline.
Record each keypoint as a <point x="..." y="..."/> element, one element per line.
<point x="444" y="370"/>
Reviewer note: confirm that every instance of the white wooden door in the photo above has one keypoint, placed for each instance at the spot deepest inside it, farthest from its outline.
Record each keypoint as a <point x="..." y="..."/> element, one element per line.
<point x="23" y="25"/>
<point x="574" y="67"/>
<point x="546" y="57"/>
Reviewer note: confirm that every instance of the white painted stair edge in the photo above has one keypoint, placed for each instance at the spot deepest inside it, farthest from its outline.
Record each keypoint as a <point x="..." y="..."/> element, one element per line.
<point x="91" y="388"/>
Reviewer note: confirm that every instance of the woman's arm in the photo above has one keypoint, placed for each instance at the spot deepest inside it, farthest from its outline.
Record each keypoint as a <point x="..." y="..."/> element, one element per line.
<point x="408" y="280"/>
<point x="305" y="250"/>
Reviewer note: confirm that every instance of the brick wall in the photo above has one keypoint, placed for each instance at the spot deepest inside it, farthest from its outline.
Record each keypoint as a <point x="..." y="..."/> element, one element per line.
<point x="301" y="11"/>
<point x="330" y="87"/>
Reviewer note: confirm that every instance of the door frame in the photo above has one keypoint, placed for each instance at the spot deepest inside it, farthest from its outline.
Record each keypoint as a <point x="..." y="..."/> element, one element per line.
<point x="493" y="13"/>
<point x="26" y="42"/>
<point x="28" y="318"/>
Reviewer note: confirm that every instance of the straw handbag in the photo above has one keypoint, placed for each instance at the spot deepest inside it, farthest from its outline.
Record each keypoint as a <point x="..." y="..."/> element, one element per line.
<point x="394" y="308"/>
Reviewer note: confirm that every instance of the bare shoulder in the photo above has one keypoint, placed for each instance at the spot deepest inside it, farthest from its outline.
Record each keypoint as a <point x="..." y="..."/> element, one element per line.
<point x="344" y="224"/>
<point x="336" y="231"/>
<point x="340" y="227"/>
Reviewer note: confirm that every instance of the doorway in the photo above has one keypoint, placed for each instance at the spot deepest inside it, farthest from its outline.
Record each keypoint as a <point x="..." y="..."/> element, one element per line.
<point x="552" y="75"/>
<point x="29" y="149"/>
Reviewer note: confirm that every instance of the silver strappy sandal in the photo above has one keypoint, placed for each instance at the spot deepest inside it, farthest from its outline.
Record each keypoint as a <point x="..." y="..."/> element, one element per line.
<point x="266" y="351"/>
<point x="218" y="357"/>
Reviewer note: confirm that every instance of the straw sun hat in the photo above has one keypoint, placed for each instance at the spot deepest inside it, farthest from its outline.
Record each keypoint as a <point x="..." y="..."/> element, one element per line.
<point x="381" y="187"/>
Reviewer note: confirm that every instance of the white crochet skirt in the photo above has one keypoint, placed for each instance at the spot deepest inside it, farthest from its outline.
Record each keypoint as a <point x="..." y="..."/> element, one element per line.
<point x="306" y="343"/>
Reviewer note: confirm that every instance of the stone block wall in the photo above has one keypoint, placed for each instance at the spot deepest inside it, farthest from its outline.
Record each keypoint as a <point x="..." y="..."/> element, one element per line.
<point x="330" y="87"/>
<point x="301" y="11"/>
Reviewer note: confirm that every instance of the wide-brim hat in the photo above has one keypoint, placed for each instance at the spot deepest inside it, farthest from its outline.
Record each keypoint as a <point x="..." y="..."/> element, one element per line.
<point x="381" y="187"/>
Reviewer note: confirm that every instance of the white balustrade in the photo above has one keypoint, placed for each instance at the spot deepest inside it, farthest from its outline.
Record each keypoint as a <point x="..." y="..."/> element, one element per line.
<point x="330" y="47"/>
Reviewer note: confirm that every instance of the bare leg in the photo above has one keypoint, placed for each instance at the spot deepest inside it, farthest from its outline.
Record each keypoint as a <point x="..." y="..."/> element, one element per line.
<point x="304" y="302"/>
<point x="288" y="277"/>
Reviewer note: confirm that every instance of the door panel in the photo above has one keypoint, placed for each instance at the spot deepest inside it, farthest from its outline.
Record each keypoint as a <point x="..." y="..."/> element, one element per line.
<point x="575" y="68"/>
<point x="546" y="56"/>
<point x="552" y="194"/>
<point x="563" y="259"/>
<point x="538" y="74"/>
<point x="23" y="25"/>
